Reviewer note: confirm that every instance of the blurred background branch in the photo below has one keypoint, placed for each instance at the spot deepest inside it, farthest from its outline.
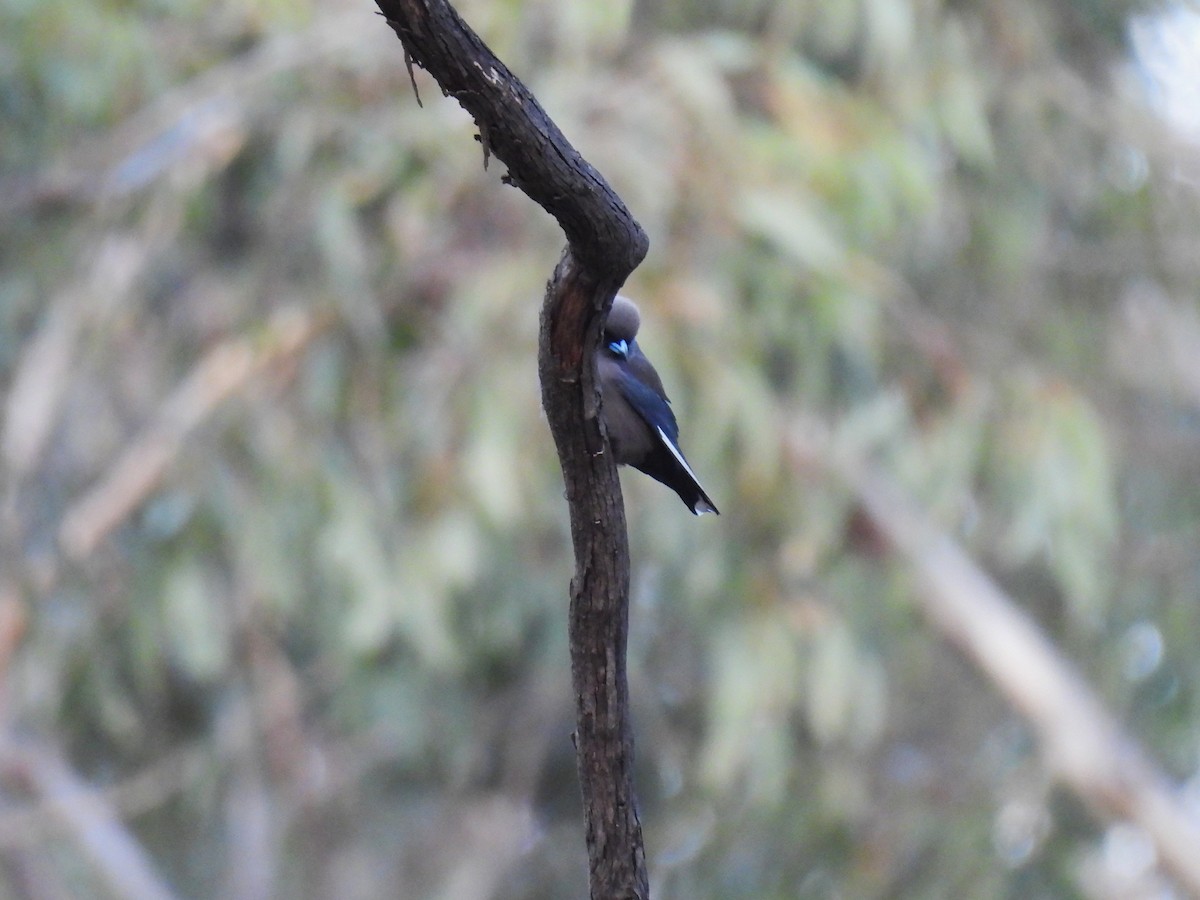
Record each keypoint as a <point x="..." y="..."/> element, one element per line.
<point x="117" y="858"/>
<point x="1083" y="745"/>
<point x="195" y="119"/>
<point x="138" y="470"/>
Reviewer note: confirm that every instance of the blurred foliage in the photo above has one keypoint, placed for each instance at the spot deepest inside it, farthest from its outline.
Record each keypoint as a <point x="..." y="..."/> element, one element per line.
<point x="952" y="231"/>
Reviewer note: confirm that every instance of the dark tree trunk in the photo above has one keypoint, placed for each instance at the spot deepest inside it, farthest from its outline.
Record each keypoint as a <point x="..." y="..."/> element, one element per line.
<point x="604" y="244"/>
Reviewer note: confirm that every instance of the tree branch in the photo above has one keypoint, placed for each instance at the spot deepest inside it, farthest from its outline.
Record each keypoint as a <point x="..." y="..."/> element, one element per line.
<point x="515" y="129"/>
<point x="599" y="616"/>
<point x="605" y="244"/>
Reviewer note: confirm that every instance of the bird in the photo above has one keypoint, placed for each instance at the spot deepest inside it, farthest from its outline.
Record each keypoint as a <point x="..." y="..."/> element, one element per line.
<point x="642" y="430"/>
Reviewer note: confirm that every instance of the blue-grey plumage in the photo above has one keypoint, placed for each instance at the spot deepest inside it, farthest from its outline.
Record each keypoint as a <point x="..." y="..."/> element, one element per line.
<point x="642" y="430"/>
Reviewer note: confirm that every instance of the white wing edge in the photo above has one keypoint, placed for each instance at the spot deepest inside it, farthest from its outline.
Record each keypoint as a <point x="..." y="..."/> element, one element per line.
<point x="675" y="453"/>
<point x="702" y="506"/>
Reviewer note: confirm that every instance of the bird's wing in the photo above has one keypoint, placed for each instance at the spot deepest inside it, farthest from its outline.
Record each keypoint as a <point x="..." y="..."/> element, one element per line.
<point x="673" y="448"/>
<point x="640" y="392"/>
<point x="644" y="372"/>
<point x="649" y="404"/>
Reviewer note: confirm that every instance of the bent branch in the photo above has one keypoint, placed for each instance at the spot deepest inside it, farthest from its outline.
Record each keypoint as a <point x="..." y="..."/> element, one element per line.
<point x="604" y="244"/>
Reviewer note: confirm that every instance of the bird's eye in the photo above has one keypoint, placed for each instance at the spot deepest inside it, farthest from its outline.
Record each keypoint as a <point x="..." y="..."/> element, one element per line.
<point x="620" y="348"/>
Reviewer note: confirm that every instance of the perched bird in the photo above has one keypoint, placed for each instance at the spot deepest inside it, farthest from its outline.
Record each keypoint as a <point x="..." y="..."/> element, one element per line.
<point x="641" y="427"/>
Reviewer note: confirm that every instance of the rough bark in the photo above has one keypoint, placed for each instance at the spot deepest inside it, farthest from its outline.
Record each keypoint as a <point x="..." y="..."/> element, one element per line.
<point x="604" y="244"/>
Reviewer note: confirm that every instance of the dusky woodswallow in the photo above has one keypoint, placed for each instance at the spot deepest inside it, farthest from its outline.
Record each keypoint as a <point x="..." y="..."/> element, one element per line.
<point x="642" y="430"/>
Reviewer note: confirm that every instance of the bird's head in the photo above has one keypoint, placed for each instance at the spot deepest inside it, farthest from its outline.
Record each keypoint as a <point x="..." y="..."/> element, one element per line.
<point x="622" y="325"/>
